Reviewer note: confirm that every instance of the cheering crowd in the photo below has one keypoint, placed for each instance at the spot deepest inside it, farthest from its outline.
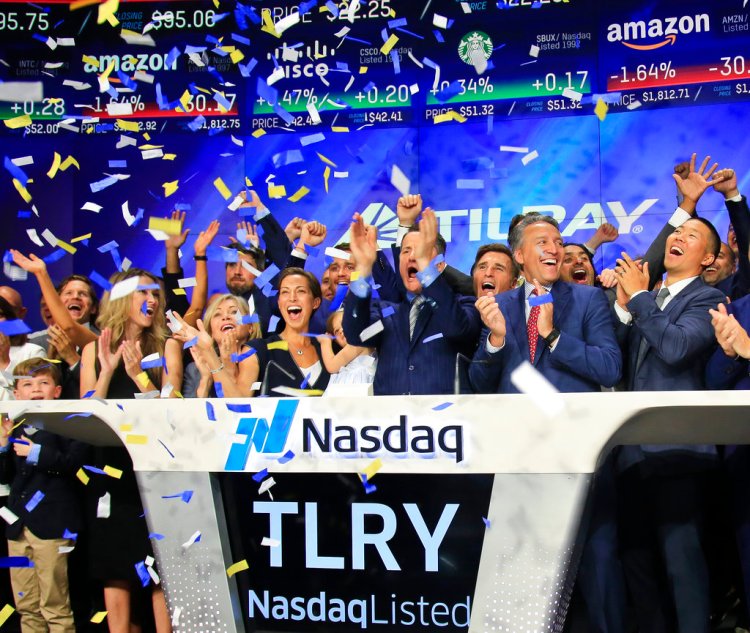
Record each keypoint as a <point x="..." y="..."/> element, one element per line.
<point x="675" y="319"/>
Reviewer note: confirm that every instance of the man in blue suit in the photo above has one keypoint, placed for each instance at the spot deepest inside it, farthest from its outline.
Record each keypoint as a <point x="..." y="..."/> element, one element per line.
<point x="418" y="338"/>
<point x="569" y="339"/>
<point x="668" y="338"/>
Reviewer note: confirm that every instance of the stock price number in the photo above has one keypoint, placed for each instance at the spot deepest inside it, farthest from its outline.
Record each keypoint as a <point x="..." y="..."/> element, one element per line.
<point x="668" y="94"/>
<point x="143" y="126"/>
<point x="42" y="128"/>
<point x="393" y="95"/>
<point x="570" y="80"/>
<point x="47" y="107"/>
<point x="477" y="110"/>
<point x="182" y="19"/>
<point x="26" y="21"/>
<point x="221" y="124"/>
<point x="555" y="105"/>
<point x="384" y="117"/>
<point x="202" y="104"/>
<point x="366" y="9"/>
<point x="742" y="89"/>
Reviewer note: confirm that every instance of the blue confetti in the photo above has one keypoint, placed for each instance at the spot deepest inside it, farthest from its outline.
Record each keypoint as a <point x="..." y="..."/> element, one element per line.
<point x="273" y="322"/>
<point x="486" y="522"/>
<point x="100" y="281"/>
<point x="14" y="327"/>
<point x="434" y="337"/>
<point x="34" y="501"/>
<point x="338" y="298"/>
<point x="143" y="574"/>
<point x="442" y="406"/>
<point x="286" y="457"/>
<point x="260" y="476"/>
<point x="156" y="536"/>
<point x="171" y="454"/>
<point x="238" y="358"/>
<point x="388" y="311"/>
<point x="541" y="299"/>
<point x="239" y="408"/>
<point x="15" y="561"/>
<point x="219" y="390"/>
<point x="210" y="412"/>
<point x="193" y="341"/>
<point x="369" y="488"/>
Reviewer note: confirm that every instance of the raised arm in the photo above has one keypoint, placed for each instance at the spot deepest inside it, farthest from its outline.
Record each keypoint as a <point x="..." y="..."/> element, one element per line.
<point x="79" y="334"/>
<point x="172" y="271"/>
<point x="200" y="292"/>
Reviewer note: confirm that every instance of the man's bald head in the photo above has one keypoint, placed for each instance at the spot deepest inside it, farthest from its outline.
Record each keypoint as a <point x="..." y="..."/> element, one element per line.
<point x="13" y="297"/>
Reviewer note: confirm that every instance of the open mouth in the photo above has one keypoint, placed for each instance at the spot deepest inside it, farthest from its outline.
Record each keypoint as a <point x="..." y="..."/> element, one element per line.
<point x="227" y="327"/>
<point x="550" y="262"/>
<point x="677" y="251"/>
<point x="36" y="398"/>
<point x="149" y="312"/>
<point x="411" y="272"/>
<point x="488" y="285"/>
<point x="579" y="274"/>
<point x="294" y="311"/>
<point x="712" y="269"/>
<point x="76" y="309"/>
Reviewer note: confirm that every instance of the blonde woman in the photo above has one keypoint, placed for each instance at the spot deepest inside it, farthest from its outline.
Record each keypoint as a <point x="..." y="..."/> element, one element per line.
<point x="224" y="324"/>
<point x="132" y="327"/>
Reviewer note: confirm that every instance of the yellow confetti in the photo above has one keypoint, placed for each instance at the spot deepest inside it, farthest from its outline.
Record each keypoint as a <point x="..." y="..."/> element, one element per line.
<point x="108" y="70"/>
<point x="127" y="126"/>
<point x="87" y="59"/>
<point x="451" y="115"/>
<point x="326" y="160"/>
<point x="170" y="187"/>
<point x="283" y="345"/>
<point x="82" y="476"/>
<point x="107" y="10"/>
<point x="66" y="247"/>
<point x="147" y="137"/>
<point x="247" y="182"/>
<point x="362" y="70"/>
<point x="22" y="190"/>
<point x="222" y="188"/>
<point x="5" y="613"/>
<point x="276" y="191"/>
<point x="126" y="427"/>
<point x="372" y="469"/>
<point x="80" y="238"/>
<point x="601" y="109"/>
<point x="299" y="194"/>
<point x="185" y="100"/>
<point x="112" y="471"/>
<point x="79" y="4"/>
<point x="52" y="360"/>
<point x="339" y="128"/>
<point x="390" y="43"/>
<point x="149" y="146"/>
<point x="168" y="226"/>
<point x="68" y="162"/>
<point x="268" y="25"/>
<point x="179" y="291"/>
<point x="326" y="176"/>
<point x="237" y="567"/>
<point x="132" y="438"/>
<point x="354" y="276"/>
<point x="56" y="159"/>
<point x="259" y="132"/>
<point x="236" y="56"/>
<point x="18" y="121"/>
<point x="98" y="617"/>
<point x="143" y="378"/>
<point x="169" y="156"/>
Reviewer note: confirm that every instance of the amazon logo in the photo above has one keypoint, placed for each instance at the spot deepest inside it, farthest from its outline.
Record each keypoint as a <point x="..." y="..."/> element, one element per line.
<point x="660" y="31"/>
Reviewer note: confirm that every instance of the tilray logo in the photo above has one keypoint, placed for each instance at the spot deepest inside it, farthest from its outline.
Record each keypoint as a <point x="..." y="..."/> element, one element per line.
<point x="668" y="28"/>
<point x="381" y="216"/>
<point x="258" y="434"/>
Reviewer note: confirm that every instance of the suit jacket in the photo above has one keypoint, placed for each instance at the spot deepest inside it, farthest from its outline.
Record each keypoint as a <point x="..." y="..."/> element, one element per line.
<point x="723" y="372"/>
<point x="414" y="366"/>
<point x="680" y="341"/>
<point x="53" y="475"/>
<point x="586" y="355"/>
<point x="737" y="285"/>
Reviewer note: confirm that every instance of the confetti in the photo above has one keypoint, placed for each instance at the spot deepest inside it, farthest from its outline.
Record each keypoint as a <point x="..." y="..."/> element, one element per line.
<point x="132" y="438"/>
<point x="167" y="225"/>
<point x="5" y="613"/>
<point x="98" y="617"/>
<point x="237" y="567"/>
<point x="529" y="157"/>
<point x="372" y="469"/>
<point x="222" y="188"/>
<point x="601" y="109"/>
<point x="195" y="538"/>
<point x="34" y="501"/>
<point x="15" y="561"/>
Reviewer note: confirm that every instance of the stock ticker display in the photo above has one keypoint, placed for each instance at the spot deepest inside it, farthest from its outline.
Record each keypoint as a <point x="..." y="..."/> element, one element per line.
<point x="209" y="67"/>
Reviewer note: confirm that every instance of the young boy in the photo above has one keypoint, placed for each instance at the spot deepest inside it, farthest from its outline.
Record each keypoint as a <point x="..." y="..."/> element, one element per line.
<point x="40" y="468"/>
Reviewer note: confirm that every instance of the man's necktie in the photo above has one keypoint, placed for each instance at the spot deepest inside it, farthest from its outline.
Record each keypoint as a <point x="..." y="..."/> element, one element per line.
<point x="643" y="347"/>
<point x="532" y="330"/>
<point x="416" y="306"/>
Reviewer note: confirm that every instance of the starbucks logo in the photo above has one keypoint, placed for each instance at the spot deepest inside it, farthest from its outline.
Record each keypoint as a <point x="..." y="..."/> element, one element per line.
<point x="475" y="49"/>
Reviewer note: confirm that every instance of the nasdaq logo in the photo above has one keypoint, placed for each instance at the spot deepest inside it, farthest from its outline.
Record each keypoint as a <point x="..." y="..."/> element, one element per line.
<point x="260" y="435"/>
<point x="667" y="28"/>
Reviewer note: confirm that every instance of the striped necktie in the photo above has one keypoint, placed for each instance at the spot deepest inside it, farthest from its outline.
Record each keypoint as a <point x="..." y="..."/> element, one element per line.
<point x="416" y="306"/>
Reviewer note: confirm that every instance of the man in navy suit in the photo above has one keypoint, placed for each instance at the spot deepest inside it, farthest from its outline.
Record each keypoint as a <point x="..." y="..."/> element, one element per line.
<point x="418" y="338"/>
<point x="668" y="338"/>
<point x="570" y="339"/>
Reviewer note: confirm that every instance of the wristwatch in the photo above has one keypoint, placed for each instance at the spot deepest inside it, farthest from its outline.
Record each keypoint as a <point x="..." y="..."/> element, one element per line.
<point x="552" y="337"/>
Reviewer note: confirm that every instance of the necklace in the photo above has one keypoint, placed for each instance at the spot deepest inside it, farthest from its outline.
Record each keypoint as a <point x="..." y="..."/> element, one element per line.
<point x="299" y="352"/>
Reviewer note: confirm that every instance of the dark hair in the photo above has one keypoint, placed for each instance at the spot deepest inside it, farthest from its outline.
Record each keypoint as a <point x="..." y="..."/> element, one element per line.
<point x="344" y="246"/>
<point x="258" y="255"/>
<point x="588" y="254"/>
<point x="312" y="280"/>
<point x="496" y="248"/>
<point x="516" y="235"/>
<point x="731" y="252"/>
<point x="36" y="366"/>
<point x="329" y="320"/>
<point x="7" y="311"/>
<point x="439" y="242"/>
<point x="714" y="240"/>
<point x="92" y="292"/>
<point x="513" y="221"/>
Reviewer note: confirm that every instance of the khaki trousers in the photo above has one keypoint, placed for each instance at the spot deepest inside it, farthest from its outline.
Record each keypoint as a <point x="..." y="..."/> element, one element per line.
<point x="41" y="592"/>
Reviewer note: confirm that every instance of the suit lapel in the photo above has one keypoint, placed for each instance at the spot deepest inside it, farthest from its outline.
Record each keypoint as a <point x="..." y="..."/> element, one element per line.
<point x="425" y="312"/>
<point x="516" y="320"/>
<point x="561" y="294"/>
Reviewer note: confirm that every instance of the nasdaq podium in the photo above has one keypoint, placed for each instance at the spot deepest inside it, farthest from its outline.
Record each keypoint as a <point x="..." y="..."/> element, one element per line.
<point x="385" y="513"/>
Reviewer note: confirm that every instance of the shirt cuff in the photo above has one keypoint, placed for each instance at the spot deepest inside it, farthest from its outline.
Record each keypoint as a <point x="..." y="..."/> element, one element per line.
<point x="430" y="273"/>
<point x="260" y="214"/>
<point x="4" y="449"/>
<point x="491" y="348"/>
<point x="299" y="254"/>
<point x="361" y="287"/>
<point x="622" y="314"/>
<point x="679" y="217"/>
<point x="554" y="343"/>
<point x="591" y="251"/>
<point x="33" y="456"/>
<point x="400" y="232"/>
<point x="737" y="198"/>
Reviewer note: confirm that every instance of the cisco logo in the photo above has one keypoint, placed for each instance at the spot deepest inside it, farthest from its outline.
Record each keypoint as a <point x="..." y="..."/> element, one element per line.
<point x="264" y="438"/>
<point x="314" y="52"/>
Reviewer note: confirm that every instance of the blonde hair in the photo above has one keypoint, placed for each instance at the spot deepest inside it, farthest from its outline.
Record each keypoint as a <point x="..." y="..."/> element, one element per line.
<point x="242" y="306"/>
<point x="114" y="314"/>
